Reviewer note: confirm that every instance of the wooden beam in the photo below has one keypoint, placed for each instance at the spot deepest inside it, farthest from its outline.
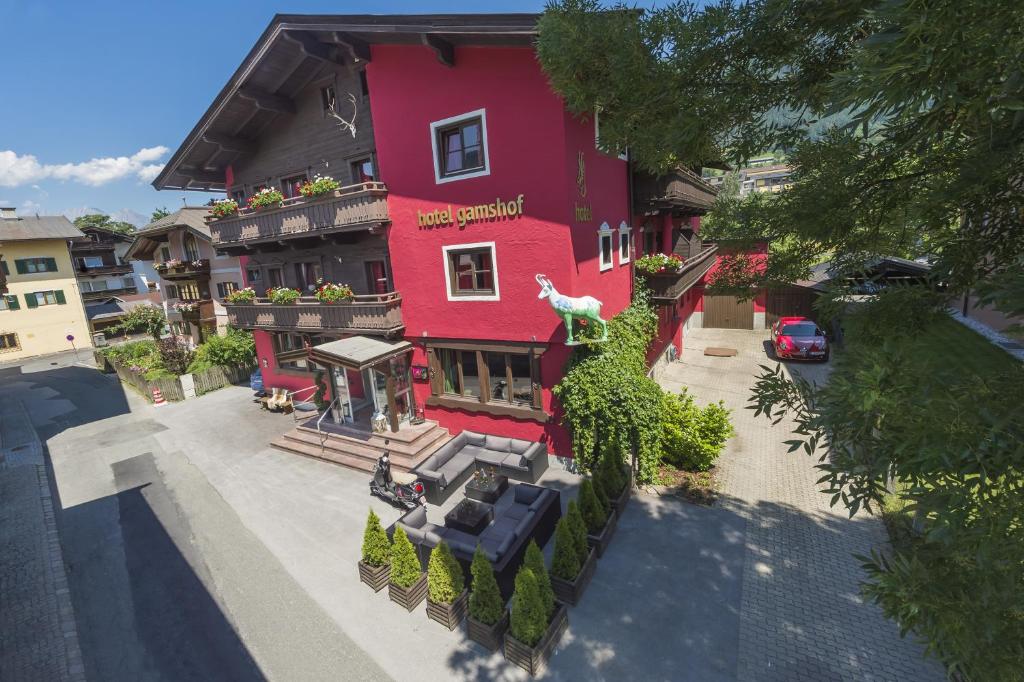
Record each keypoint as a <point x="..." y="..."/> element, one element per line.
<point x="311" y="47"/>
<point x="230" y="143"/>
<point x="359" y="49"/>
<point x="266" y="100"/>
<point x="444" y="50"/>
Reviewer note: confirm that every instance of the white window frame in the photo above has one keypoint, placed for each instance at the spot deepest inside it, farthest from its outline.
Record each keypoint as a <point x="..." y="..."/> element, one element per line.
<point x="97" y="262"/>
<point x="625" y="231"/>
<point x="452" y="120"/>
<point x="496" y="296"/>
<point x="606" y="232"/>
<point x="621" y="156"/>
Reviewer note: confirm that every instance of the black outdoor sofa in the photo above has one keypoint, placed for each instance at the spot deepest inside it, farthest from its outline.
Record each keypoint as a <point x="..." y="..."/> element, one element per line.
<point x="454" y="462"/>
<point x="532" y="514"/>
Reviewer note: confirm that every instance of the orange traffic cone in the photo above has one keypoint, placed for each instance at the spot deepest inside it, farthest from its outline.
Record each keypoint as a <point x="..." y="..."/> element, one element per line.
<point x="158" y="398"/>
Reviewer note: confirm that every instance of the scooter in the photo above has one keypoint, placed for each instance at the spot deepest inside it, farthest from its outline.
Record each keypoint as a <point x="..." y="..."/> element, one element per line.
<point x="398" y="488"/>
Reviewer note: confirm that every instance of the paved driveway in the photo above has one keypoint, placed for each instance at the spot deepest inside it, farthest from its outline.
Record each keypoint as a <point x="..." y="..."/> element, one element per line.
<point x="801" y="616"/>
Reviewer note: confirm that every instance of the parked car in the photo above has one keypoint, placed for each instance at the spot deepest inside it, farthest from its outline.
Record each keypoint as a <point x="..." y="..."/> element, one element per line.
<point x="799" y="338"/>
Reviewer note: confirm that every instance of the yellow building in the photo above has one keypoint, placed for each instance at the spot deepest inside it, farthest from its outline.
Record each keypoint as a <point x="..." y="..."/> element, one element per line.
<point x="40" y="306"/>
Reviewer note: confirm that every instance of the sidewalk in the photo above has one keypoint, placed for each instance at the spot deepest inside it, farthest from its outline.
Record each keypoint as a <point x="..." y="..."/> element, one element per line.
<point x="38" y="636"/>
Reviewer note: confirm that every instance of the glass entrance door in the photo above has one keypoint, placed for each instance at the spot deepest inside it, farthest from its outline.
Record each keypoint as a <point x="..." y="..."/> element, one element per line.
<point x="341" y="411"/>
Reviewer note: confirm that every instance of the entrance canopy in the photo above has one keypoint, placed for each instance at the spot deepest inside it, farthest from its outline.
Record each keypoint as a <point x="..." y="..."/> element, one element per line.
<point x="358" y="352"/>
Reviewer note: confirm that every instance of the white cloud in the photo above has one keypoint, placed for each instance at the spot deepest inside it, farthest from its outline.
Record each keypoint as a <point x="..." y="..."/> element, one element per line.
<point x="16" y="170"/>
<point x="29" y="207"/>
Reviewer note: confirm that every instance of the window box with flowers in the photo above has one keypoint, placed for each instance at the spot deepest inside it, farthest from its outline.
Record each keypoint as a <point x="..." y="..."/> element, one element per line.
<point x="326" y="292"/>
<point x="224" y="208"/>
<point x="320" y="186"/>
<point x="659" y="263"/>
<point x="246" y="296"/>
<point x="283" y="295"/>
<point x="186" y="307"/>
<point x="266" y="198"/>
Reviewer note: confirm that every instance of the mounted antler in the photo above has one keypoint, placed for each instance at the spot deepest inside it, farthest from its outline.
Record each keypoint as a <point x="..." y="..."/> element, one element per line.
<point x="350" y="124"/>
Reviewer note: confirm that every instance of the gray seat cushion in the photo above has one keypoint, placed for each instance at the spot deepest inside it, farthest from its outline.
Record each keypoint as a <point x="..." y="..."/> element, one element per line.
<point x="456" y="465"/>
<point x="541" y="500"/>
<point x="516" y="461"/>
<point x="473" y="438"/>
<point x="525" y="494"/>
<point x="415" y="518"/>
<point x="499" y="443"/>
<point x="520" y="446"/>
<point x="516" y="511"/>
<point x="523" y="525"/>
<point x="505" y="545"/>
<point x="491" y="457"/>
<point x="474" y="451"/>
<point x="460" y="541"/>
<point x="502" y="526"/>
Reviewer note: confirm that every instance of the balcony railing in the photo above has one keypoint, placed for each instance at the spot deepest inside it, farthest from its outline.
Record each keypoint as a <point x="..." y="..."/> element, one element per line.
<point x="122" y="269"/>
<point x="678" y="190"/>
<point x="361" y="204"/>
<point x="185" y="270"/>
<point x="667" y="287"/>
<point x="374" y="314"/>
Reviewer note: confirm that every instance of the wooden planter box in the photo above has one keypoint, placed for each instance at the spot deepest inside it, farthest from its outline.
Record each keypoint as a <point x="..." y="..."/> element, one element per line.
<point x="409" y="598"/>
<point x="488" y="636"/>
<point x="534" y="659"/>
<point x="449" y="615"/>
<point x="601" y="540"/>
<point x="376" y="577"/>
<point x="570" y="591"/>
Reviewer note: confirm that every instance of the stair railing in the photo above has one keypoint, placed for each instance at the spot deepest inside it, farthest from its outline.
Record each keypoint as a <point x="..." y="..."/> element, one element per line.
<point x="323" y="436"/>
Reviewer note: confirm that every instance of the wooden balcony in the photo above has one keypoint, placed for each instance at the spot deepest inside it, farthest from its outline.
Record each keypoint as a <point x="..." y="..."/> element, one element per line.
<point x="375" y="314"/>
<point x="681" y="191"/>
<point x="202" y="311"/>
<point x="198" y="269"/>
<point x="668" y="287"/>
<point x="122" y="269"/>
<point x="356" y="206"/>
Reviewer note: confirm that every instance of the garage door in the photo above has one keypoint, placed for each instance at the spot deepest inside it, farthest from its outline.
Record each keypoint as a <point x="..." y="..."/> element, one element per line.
<point x="789" y="302"/>
<point x="728" y="312"/>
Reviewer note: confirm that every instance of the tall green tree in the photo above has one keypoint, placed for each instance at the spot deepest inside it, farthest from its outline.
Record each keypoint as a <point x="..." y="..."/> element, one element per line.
<point x="105" y="222"/>
<point x="159" y="213"/>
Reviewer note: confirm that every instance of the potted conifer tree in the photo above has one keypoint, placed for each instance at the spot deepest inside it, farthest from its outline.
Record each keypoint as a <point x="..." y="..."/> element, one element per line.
<point x="408" y="585"/>
<point x="615" y="479"/>
<point x="488" y="619"/>
<point x="533" y="633"/>
<point x="600" y="526"/>
<point x="375" y="565"/>
<point x="579" y="531"/>
<point x="446" y="592"/>
<point x="569" y="575"/>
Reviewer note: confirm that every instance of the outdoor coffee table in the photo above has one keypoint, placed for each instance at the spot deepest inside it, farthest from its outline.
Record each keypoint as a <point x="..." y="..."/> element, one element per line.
<point x="469" y="516"/>
<point x="486" y="488"/>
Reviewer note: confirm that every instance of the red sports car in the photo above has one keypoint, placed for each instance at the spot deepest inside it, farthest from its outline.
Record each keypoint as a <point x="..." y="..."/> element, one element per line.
<point x="799" y="338"/>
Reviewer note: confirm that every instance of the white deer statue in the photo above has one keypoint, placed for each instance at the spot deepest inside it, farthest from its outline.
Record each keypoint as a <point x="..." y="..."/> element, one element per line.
<point x="568" y="308"/>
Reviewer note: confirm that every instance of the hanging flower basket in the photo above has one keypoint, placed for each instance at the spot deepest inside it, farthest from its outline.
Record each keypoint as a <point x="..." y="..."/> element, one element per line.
<point x="659" y="264"/>
<point x="332" y="293"/>
<point x="224" y="208"/>
<point x="244" y="296"/>
<point x="283" y="295"/>
<point x="320" y="186"/>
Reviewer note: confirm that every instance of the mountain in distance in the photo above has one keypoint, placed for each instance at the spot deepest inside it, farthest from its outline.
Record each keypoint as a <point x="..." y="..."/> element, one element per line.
<point x="125" y="214"/>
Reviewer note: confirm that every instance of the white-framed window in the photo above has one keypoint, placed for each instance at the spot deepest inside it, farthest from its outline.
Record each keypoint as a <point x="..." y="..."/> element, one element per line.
<point x="460" y="147"/>
<point x="622" y="155"/>
<point x="92" y="262"/>
<point x="625" y="243"/>
<point x="606" y="246"/>
<point x="471" y="272"/>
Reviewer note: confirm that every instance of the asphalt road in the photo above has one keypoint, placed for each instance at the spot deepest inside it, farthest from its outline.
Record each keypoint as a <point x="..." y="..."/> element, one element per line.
<point x="167" y="582"/>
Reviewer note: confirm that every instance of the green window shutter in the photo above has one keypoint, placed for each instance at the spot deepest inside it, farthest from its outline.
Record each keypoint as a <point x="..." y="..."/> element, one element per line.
<point x="21" y="266"/>
<point x="30" y="301"/>
<point x="59" y="295"/>
<point x="51" y="264"/>
<point x="12" y="303"/>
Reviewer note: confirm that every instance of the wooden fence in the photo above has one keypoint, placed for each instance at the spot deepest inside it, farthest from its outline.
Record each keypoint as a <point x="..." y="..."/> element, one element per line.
<point x="219" y="377"/>
<point x="205" y="381"/>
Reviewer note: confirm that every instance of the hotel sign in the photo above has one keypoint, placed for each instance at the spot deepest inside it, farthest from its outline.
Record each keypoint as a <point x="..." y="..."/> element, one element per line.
<point x="463" y="215"/>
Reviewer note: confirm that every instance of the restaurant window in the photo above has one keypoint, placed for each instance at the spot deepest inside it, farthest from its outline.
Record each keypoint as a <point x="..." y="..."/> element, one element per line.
<point x="189" y="292"/>
<point x="650" y="240"/>
<point x="30" y="266"/>
<point x="471" y="272"/>
<point x="362" y="171"/>
<point x="290" y="350"/>
<point x="191" y="247"/>
<point x="9" y="342"/>
<point x="624" y="243"/>
<point x="290" y="185"/>
<point x="605" y="246"/>
<point x="460" y="147"/>
<point x="275" y="277"/>
<point x="225" y="288"/>
<point x="377" y="277"/>
<point x="327" y="99"/>
<point x="498" y="375"/>
<point x="307" y="274"/>
<point x="239" y="196"/>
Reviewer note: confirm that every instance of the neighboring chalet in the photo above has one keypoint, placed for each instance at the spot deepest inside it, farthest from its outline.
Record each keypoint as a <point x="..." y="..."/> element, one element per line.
<point x="193" y="278"/>
<point x="100" y="264"/>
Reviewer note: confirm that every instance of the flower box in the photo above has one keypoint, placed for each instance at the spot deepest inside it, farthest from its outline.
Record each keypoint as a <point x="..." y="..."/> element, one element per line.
<point x="376" y="577"/>
<point x="600" y="541"/>
<point x="409" y="597"/>
<point x="570" y="591"/>
<point x="488" y="636"/>
<point x="533" y="659"/>
<point x="449" y="615"/>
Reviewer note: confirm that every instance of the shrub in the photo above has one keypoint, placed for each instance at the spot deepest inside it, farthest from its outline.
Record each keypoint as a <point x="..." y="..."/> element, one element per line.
<point x="527" y="622"/>
<point x="376" y="548"/>
<point x="599" y="490"/>
<point x="235" y="349"/>
<point x="149" y="318"/>
<point x="175" y="355"/>
<point x="485" y="602"/>
<point x="405" y="567"/>
<point x="283" y="295"/>
<point x="566" y="563"/>
<point x="534" y="560"/>
<point x="692" y="438"/>
<point x="579" y="531"/>
<point x="593" y="513"/>
<point x="445" y="581"/>
<point x="611" y="473"/>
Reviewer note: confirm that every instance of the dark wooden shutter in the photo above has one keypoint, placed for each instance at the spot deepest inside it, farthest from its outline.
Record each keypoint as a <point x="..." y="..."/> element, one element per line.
<point x="51" y="264"/>
<point x="59" y="295"/>
<point x="21" y="266"/>
<point x="30" y="301"/>
<point x="12" y="303"/>
<point x="435" y="372"/>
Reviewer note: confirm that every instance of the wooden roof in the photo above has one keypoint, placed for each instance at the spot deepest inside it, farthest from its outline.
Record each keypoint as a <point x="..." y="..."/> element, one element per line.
<point x="292" y="52"/>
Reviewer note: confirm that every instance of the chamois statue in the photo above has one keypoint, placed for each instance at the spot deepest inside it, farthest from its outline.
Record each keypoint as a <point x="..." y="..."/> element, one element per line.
<point x="585" y="307"/>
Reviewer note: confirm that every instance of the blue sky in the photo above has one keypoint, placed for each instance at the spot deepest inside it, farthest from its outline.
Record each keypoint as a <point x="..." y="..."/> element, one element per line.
<point x="95" y="96"/>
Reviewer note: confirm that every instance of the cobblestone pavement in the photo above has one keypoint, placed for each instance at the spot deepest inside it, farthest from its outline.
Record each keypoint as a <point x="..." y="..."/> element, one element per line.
<point x="38" y="636"/>
<point x="801" y="613"/>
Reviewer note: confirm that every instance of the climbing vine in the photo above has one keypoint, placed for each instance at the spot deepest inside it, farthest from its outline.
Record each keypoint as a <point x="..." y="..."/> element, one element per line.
<point x="609" y="403"/>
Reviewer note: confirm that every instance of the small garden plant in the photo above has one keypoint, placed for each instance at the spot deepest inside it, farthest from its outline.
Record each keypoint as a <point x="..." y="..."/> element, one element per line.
<point x="656" y="263"/>
<point x="527" y="620"/>
<point x="321" y="184"/>
<point x="566" y="562"/>
<point x="574" y="520"/>
<point x="376" y="547"/>
<point x="246" y="295"/>
<point x="224" y="208"/>
<point x="692" y="437"/>
<point x="599" y="491"/>
<point x="405" y="567"/>
<point x="445" y="581"/>
<point x="266" y="197"/>
<point x="326" y="292"/>
<point x="283" y="295"/>
<point x="485" y="603"/>
<point x="534" y="560"/>
<point x="612" y="475"/>
<point x="593" y="513"/>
